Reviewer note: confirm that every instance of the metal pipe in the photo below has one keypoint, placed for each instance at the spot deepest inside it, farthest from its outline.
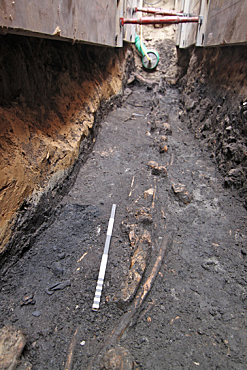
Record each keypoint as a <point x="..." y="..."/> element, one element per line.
<point x="159" y="11"/>
<point x="158" y="20"/>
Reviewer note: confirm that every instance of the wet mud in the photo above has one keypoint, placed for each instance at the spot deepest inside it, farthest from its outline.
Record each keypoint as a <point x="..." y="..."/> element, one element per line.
<point x="148" y="162"/>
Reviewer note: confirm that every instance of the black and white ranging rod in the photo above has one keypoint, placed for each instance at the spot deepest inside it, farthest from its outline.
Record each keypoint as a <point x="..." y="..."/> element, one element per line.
<point x="104" y="259"/>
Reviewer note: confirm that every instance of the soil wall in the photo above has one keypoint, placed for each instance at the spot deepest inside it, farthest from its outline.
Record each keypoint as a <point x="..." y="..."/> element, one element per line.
<point x="50" y="98"/>
<point x="214" y="100"/>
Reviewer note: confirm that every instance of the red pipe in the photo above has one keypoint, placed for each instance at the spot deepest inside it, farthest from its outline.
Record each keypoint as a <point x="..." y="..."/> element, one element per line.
<point x="158" y="20"/>
<point x="157" y="11"/>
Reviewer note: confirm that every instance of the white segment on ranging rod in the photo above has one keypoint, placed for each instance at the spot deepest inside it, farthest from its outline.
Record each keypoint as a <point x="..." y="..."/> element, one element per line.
<point x="103" y="264"/>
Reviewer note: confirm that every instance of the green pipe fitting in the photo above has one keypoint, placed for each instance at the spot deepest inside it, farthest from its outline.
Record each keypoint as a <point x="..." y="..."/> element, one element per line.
<point x="153" y="55"/>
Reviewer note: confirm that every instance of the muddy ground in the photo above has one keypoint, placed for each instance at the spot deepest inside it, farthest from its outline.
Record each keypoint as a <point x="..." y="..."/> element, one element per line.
<point x="195" y="314"/>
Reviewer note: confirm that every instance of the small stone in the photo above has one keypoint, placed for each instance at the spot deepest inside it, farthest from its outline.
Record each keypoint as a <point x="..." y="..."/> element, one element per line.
<point x="133" y="237"/>
<point x="189" y="103"/>
<point x="149" y="194"/>
<point x="211" y="264"/>
<point x="157" y="170"/>
<point x="235" y="172"/>
<point x="182" y="193"/>
<point x="163" y="148"/>
<point x="163" y="139"/>
<point x="57" y="269"/>
<point x="12" y="342"/>
<point x="166" y="129"/>
<point x="128" y="91"/>
<point x="207" y="124"/>
<point x="36" y="313"/>
<point x="61" y="255"/>
<point x="130" y="80"/>
<point x="28" y="299"/>
<point x="144" y="216"/>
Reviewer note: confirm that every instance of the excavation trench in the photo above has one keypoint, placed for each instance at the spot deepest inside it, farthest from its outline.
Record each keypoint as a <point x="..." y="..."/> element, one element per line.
<point x="147" y="160"/>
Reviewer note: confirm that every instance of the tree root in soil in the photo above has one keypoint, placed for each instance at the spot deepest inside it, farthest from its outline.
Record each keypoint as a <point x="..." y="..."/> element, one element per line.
<point x="125" y="321"/>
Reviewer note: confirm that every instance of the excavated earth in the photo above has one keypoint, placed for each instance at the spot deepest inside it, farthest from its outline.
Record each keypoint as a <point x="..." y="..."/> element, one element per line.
<point x="150" y="163"/>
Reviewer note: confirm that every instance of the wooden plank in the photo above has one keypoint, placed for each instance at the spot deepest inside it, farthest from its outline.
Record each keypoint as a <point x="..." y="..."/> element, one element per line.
<point x="179" y="7"/>
<point x="226" y="24"/>
<point x="189" y="30"/>
<point x="119" y="29"/>
<point x="129" y="30"/>
<point x="202" y="28"/>
<point x="91" y="21"/>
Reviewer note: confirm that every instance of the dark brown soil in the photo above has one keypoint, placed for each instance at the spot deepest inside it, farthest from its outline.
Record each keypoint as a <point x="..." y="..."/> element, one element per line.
<point x="215" y="108"/>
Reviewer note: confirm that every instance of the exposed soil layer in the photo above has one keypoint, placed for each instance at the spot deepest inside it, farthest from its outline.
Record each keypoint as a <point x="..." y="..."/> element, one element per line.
<point x="149" y="163"/>
<point x="215" y="108"/>
<point x="50" y="96"/>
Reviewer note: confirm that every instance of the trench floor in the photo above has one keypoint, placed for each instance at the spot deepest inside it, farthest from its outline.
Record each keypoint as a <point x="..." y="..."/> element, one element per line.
<point x="195" y="314"/>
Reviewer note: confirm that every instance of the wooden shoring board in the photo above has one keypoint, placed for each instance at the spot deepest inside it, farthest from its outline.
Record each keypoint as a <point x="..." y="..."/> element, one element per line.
<point x="179" y="7"/>
<point x="129" y="29"/>
<point x="189" y="30"/>
<point x="119" y="34"/>
<point x="202" y="28"/>
<point x="226" y="23"/>
<point x="68" y="20"/>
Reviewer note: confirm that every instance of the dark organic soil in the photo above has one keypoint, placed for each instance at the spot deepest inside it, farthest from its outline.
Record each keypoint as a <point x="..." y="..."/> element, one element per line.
<point x="215" y="107"/>
<point x="195" y="314"/>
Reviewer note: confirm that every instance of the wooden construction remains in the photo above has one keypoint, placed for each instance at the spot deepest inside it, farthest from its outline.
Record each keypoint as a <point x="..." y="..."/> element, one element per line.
<point x="98" y="22"/>
<point x="94" y="21"/>
<point x="224" y="23"/>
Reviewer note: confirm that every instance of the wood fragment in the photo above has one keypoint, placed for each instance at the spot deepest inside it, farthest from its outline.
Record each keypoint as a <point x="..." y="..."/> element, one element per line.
<point x="126" y="318"/>
<point x="154" y="197"/>
<point x="70" y="356"/>
<point x="172" y="159"/>
<point x="137" y="267"/>
<point x="150" y="306"/>
<point x="132" y="183"/>
<point x="135" y="105"/>
<point x="143" y="80"/>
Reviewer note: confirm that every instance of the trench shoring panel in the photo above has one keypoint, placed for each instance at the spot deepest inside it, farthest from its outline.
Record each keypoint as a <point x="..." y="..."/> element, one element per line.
<point x="188" y="31"/>
<point x="226" y="23"/>
<point x="95" y="22"/>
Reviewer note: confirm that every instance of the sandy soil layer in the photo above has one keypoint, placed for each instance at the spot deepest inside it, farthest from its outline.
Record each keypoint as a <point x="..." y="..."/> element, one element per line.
<point x="50" y="95"/>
